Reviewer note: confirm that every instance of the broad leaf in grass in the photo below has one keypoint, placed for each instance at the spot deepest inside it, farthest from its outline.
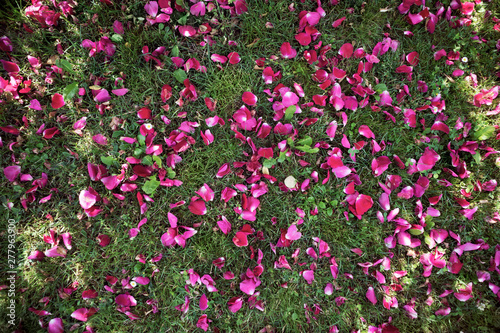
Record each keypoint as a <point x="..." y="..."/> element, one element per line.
<point x="151" y="185"/>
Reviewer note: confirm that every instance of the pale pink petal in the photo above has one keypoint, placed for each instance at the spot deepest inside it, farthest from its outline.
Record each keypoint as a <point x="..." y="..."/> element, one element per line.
<point x="87" y="199"/>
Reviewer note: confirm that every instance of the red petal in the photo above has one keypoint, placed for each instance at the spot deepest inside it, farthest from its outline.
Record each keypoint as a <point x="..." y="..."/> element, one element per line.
<point x="57" y="101"/>
<point x="346" y="50"/>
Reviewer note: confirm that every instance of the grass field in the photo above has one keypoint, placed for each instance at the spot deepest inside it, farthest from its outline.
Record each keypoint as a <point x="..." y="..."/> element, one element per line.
<point x="258" y="166"/>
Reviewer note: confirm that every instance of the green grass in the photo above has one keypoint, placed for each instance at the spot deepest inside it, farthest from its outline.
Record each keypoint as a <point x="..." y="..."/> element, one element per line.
<point x="284" y="308"/>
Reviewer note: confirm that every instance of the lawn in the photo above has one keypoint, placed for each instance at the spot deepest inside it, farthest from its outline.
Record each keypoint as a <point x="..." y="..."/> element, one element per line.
<point x="250" y="166"/>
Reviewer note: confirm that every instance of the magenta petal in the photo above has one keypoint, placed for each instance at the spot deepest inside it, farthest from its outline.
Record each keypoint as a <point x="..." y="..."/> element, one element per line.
<point x="292" y="233"/>
<point x="224" y="225"/>
<point x="104" y="240"/>
<point x="443" y="312"/>
<point x="235" y="304"/>
<point x="80" y="124"/>
<point x="234" y="58"/>
<point x="329" y="289"/>
<point x="120" y="92"/>
<point x="414" y="18"/>
<point x="11" y="172"/>
<point x="83" y="314"/>
<point x="118" y="27"/>
<point x="36" y="255"/>
<point x="346" y="50"/>
<point x="249" y="98"/>
<point x="198" y="9"/>
<point x="102" y="96"/>
<point x="303" y="38"/>
<point x="380" y="164"/>
<point x="187" y="30"/>
<point x="483" y="276"/>
<point x="218" y="58"/>
<point x="141" y="280"/>
<point x="110" y="182"/>
<point x="385" y="98"/>
<point x="100" y="139"/>
<point x="35" y="105"/>
<point x="151" y="8"/>
<point x="384" y="201"/>
<point x="308" y="275"/>
<point x="67" y="240"/>
<point x="198" y="207"/>
<point x="203" y="322"/>
<point x="413" y="58"/>
<point x="363" y="204"/>
<point x="248" y="286"/>
<point x="55" y="326"/>
<point x="125" y="300"/>
<point x="289" y="98"/>
<point x="89" y="294"/>
<point x="287" y="52"/>
<point x="206" y="193"/>
<point x="370" y="294"/>
<point x="203" y="302"/>
<point x="10" y="67"/>
<point x="365" y="131"/>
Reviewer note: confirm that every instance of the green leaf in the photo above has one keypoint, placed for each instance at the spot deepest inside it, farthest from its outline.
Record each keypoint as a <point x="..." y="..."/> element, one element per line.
<point x="429" y="225"/>
<point x="147" y="160"/>
<point x="183" y="19"/>
<point x="180" y="75"/>
<point x="117" y="38"/>
<point x="65" y="65"/>
<point x="269" y="163"/>
<point x="427" y="239"/>
<point x="151" y="185"/>
<point x="117" y="134"/>
<point x="329" y="211"/>
<point x="70" y="91"/>
<point x="175" y="51"/>
<point x="380" y="88"/>
<point x="477" y="157"/>
<point x="108" y="160"/>
<point x="307" y="141"/>
<point x="290" y="111"/>
<point x="141" y="139"/>
<point x="416" y="232"/>
<point x="282" y="156"/>
<point x="157" y="159"/>
<point x="138" y="268"/>
<point x="308" y="149"/>
<point x="170" y="173"/>
<point x="484" y="133"/>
